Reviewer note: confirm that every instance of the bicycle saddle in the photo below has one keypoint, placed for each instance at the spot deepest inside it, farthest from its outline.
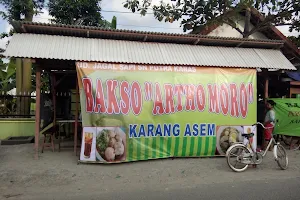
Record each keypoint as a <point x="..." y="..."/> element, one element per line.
<point x="250" y="135"/>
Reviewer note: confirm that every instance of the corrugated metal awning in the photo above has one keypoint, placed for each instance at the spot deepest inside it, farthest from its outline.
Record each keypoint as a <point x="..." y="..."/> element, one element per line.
<point x="119" y="51"/>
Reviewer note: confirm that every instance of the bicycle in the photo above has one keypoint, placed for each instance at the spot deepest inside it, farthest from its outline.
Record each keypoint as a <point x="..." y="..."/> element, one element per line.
<point x="244" y="154"/>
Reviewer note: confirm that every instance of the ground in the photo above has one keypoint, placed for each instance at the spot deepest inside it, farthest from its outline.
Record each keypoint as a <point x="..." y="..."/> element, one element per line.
<point x="57" y="176"/>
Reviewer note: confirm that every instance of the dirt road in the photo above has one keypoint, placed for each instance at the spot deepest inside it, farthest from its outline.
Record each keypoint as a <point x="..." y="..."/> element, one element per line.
<point x="57" y="176"/>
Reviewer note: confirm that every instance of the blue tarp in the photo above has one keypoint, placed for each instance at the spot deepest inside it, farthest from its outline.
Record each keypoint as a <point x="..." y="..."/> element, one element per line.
<point x="294" y="75"/>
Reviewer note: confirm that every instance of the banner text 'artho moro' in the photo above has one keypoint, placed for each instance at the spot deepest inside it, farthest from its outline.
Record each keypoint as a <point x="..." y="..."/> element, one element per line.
<point x="122" y="97"/>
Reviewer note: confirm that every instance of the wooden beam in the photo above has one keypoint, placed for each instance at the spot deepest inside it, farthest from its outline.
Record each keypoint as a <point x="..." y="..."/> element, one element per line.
<point x="295" y="82"/>
<point x="37" y="111"/>
<point x="59" y="81"/>
<point x="76" y="119"/>
<point x="145" y="38"/>
<point x="240" y="44"/>
<point x="197" y="41"/>
<point x="23" y="29"/>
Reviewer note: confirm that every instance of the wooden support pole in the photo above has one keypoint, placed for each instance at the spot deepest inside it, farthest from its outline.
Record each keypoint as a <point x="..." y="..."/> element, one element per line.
<point x="53" y="91"/>
<point x="76" y="119"/>
<point x="266" y="96"/>
<point x="266" y="88"/>
<point x="37" y="111"/>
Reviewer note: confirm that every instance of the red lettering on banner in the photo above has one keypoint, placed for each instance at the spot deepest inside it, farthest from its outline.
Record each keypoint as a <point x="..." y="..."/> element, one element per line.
<point x="158" y="106"/>
<point x="243" y="100"/>
<point x="179" y="89"/>
<point x="124" y="103"/>
<point x="112" y="104"/>
<point x="213" y="99"/>
<point x="224" y="99"/>
<point x="148" y="91"/>
<point x="200" y="98"/>
<point x="87" y="86"/>
<point x="190" y="97"/>
<point x="169" y="99"/>
<point x="136" y="98"/>
<point x="100" y="105"/>
<point x="250" y="92"/>
<point x="234" y="112"/>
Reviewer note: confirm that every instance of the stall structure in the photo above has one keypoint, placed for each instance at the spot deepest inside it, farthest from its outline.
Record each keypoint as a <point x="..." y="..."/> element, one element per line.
<point x="214" y="79"/>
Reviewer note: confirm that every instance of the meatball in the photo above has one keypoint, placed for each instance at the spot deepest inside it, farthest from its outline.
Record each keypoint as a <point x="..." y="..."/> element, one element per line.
<point x="119" y="148"/>
<point x="110" y="154"/>
<point x="112" y="134"/>
<point x="112" y="142"/>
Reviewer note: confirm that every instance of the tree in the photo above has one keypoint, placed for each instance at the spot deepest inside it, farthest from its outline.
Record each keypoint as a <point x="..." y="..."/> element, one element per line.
<point x="114" y="23"/>
<point x="22" y="10"/>
<point x="295" y="40"/>
<point x="79" y="12"/>
<point x="198" y="13"/>
<point x="76" y="12"/>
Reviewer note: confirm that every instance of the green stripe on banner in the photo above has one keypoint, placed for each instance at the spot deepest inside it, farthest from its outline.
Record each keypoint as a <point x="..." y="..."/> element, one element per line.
<point x="203" y="145"/>
<point x="143" y="147"/>
<point x="134" y="147"/>
<point x="192" y="140"/>
<point x="177" y="142"/>
<point x="130" y="149"/>
<point x="169" y="146"/>
<point x="161" y="147"/>
<point x="166" y="151"/>
<point x="150" y="147"/>
<point x="213" y="151"/>
<point x="173" y="141"/>
<point x="154" y="148"/>
<point x="138" y="148"/>
<point x="146" y="150"/>
<point x="206" y="146"/>
<point x="184" y="145"/>
<point x="199" y="146"/>
<point x="210" y="147"/>
<point x="188" y="145"/>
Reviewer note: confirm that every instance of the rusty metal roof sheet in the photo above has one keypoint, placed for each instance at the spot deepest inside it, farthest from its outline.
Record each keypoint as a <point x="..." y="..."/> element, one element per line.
<point x="120" y="51"/>
<point x="143" y="36"/>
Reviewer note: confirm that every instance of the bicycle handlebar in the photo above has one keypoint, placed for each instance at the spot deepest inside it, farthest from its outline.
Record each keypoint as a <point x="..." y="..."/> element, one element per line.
<point x="258" y="123"/>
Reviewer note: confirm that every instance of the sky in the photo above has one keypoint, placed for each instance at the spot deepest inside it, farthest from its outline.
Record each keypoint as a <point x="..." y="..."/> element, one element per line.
<point x="125" y="20"/>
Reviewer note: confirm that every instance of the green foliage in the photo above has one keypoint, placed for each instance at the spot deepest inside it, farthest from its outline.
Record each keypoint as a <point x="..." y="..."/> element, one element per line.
<point x="295" y="40"/>
<point x="114" y="22"/>
<point x="7" y="75"/>
<point x="15" y="9"/>
<point x="76" y="12"/>
<point x="109" y="25"/>
<point x="196" y="13"/>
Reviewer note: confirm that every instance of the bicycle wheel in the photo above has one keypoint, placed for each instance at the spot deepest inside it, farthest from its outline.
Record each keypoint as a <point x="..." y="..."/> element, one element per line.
<point x="282" y="159"/>
<point x="237" y="155"/>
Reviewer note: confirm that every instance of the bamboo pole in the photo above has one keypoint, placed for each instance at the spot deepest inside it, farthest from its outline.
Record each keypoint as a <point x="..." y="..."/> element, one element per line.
<point x="26" y="83"/>
<point x="37" y="111"/>
<point x="76" y="119"/>
<point x="19" y="84"/>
